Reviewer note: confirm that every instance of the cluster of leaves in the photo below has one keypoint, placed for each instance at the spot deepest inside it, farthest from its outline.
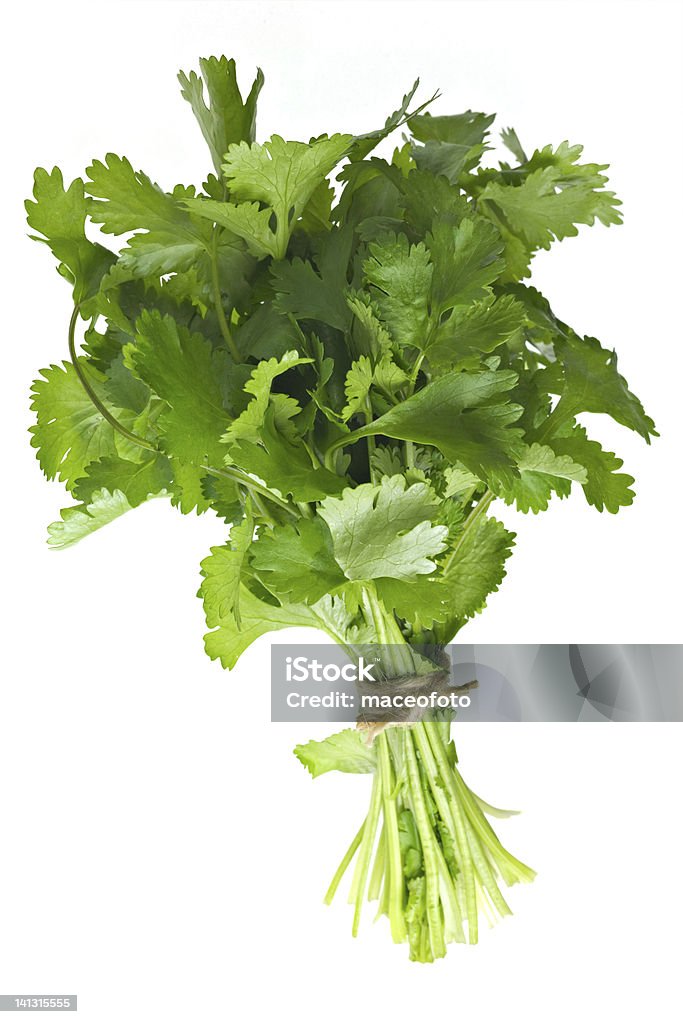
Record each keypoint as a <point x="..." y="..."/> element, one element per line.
<point x="347" y="375"/>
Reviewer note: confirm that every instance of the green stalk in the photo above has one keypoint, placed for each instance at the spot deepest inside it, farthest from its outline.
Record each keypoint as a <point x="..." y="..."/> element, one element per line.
<point x="360" y="876"/>
<point x="377" y="874"/>
<point x="420" y="736"/>
<point x="387" y="632"/>
<point x="341" y="870"/>
<point x="478" y="856"/>
<point x="459" y="833"/>
<point x="218" y="302"/>
<point x="371" y="441"/>
<point x="428" y="841"/>
<point x="512" y="869"/>
<point x="396" y="880"/>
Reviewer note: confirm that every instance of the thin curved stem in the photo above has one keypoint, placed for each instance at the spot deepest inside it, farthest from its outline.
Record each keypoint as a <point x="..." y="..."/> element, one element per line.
<point x="236" y="475"/>
<point x="218" y="303"/>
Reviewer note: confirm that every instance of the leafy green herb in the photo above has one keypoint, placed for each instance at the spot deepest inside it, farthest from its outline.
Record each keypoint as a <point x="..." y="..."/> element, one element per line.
<point x="338" y="353"/>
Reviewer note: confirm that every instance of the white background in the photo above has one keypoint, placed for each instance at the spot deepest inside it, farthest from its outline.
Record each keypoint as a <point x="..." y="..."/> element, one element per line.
<point x="162" y="854"/>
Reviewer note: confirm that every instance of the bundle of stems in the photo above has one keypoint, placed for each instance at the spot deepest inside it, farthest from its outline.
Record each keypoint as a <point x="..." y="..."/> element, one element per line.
<point x="425" y="852"/>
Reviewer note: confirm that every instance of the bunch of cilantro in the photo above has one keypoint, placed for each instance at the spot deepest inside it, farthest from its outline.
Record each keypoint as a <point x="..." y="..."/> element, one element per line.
<point x="348" y="376"/>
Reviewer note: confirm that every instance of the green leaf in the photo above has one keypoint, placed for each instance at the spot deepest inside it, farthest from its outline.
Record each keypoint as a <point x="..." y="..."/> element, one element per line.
<point x="186" y="372"/>
<point x="468" y="129"/>
<point x="473" y="568"/>
<point x="223" y="570"/>
<point x="477" y="566"/>
<point x="248" y="221"/>
<point x="384" y="530"/>
<point x="400" y="275"/>
<point x="604" y="488"/>
<point x="427" y="198"/>
<point x="295" y="563"/>
<point x="226" y="118"/>
<point x="136" y="480"/>
<point x="370" y="335"/>
<point x="80" y="520"/>
<point x="123" y="389"/>
<point x="542" y="326"/>
<point x="386" y="461"/>
<point x="58" y="215"/>
<point x="546" y="206"/>
<point x="452" y="144"/>
<point x="249" y="423"/>
<point x="227" y="641"/>
<point x="283" y="176"/>
<point x="317" y="215"/>
<point x="542" y="471"/>
<point x="345" y="751"/>
<point x="284" y="466"/>
<point x="358" y="383"/>
<point x="308" y="295"/>
<point x="223" y="496"/>
<point x="467" y="259"/>
<point x="467" y="416"/>
<point x="189" y="487"/>
<point x="388" y="376"/>
<point x="459" y="480"/>
<point x="69" y="433"/>
<point x="511" y="141"/>
<point x="127" y="200"/>
<point x="264" y="334"/>
<point x="423" y="601"/>
<point x="478" y="328"/>
<point x="564" y="160"/>
<point x="592" y="383"/>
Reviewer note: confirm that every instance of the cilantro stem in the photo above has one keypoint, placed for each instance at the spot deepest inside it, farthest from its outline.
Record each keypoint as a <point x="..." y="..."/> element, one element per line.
<point x="261" y="509"/>
<point x="230" y="473"/>
<point x="394" y="861"/>
<point x="428" y="843"/>
<point x="346" y="860"/>
<point x="218" y="302"/>
<point x="397" y="652"/>
<point x="471" y="521"/>
<point x="415" y="371"/>
<point x="460" y="830"/>
<point x="512" y="869"/>
<point x="378" y="868"/>
<point x="360" y="877"/>
<point x="410" y="446"/>
<point x="371" y="441"/>
<point x="420" y="737"/>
